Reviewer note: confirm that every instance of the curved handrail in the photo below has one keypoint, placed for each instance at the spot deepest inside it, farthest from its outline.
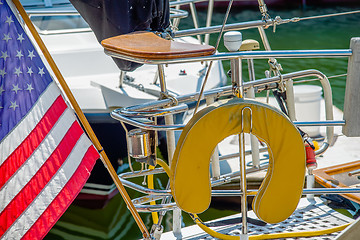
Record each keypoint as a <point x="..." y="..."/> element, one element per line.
<point x="125" y="114"/>
<point x="242" y="55"/>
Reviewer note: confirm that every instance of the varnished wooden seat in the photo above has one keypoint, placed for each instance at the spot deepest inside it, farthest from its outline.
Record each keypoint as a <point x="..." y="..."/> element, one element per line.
<point x="147" y="45"/>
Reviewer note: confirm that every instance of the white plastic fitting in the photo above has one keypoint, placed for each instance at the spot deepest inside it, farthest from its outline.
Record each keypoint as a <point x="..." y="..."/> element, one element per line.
<point x="232" y="40"/>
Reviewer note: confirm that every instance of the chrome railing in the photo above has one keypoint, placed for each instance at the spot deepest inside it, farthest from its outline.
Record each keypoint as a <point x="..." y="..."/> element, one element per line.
<point x="133" y="115"/>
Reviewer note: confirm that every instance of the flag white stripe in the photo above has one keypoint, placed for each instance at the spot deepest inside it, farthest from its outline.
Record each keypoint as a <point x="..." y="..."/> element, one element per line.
<point x="37" y="159"/>
<point x="24" y="128"/>
<point x="52" y="189"/>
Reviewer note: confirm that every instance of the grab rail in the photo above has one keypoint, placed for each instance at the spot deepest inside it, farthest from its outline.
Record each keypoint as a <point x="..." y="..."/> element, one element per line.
<point x="242" y="55"/>
<point x="123" y="114"/>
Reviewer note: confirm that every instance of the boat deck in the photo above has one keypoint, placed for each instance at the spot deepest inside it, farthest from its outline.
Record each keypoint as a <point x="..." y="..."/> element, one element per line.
<point x="309" y="216"/>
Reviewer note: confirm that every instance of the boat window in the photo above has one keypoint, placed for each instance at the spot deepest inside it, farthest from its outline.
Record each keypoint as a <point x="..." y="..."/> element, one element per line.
<point x="55" y="23"/>
<point x="54" y="16"/>
<point x="42" y="3"/>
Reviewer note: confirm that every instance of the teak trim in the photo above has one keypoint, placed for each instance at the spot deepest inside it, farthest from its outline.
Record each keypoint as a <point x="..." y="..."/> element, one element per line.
<point x="324" y="177"/>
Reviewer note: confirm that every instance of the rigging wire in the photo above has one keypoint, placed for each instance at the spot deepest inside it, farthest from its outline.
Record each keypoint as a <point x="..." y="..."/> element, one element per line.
<point x="330" y="15"/>
<point x="216" y="48"/>
<point x="314" y="79"/>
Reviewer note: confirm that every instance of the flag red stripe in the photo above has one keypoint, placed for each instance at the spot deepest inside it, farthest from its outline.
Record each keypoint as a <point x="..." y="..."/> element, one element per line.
<point x="63" y="200"/>
<point x="17" y="205"/>
<point x="32" y="141"/>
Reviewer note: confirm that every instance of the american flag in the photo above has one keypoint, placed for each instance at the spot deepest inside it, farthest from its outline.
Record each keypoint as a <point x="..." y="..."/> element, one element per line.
<point x="45" y="157"/>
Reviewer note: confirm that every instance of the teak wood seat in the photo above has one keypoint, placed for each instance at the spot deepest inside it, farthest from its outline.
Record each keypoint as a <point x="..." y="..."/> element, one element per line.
<point x="147" y="45"/>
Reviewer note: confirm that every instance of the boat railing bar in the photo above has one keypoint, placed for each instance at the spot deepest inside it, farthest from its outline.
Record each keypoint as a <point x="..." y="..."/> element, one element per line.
<point x="155" y="112"/>
<point x="184" y="2"/>
<point x="227" y="193"/>
<point x="320" y="123"/>
<point x="63" y="31"/>
<point x="330" y="53"/>
<point x="234" y="155"/>
<point x="178" y="13"/>
<point x="145" y="190"/>
<point x="147" y="199"/>
<point x="253" y="24"/>
<point x="354" y="173"/>
<point x="307" y="191"/>
<point x="142" y="173"/>
<point x="145" y="126"/>
<point x="226" y="178"/>
<point x="168" y="101"/>
<point x="156" y="207"/>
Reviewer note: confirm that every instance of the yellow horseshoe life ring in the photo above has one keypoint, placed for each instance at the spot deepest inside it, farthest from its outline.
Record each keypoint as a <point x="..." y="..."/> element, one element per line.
<point x="282" y="187"/>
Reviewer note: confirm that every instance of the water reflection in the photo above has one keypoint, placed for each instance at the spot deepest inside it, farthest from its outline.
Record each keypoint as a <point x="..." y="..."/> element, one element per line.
<point x="114" y="221"/>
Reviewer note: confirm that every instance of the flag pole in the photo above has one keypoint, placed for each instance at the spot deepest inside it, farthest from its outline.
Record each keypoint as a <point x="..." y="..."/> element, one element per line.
<point x="83" y="120"/>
